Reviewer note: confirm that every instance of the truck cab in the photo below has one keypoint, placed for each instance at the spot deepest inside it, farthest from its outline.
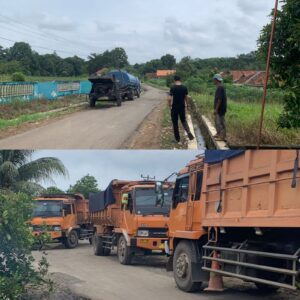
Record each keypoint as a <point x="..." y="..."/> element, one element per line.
<point x="64" y="217"/>
<point x="138" y="221"/>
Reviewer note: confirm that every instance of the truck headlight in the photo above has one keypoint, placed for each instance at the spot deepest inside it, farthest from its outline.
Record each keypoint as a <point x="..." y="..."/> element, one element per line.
<point x="143" y="233"/>
<point x="56" y="228"/>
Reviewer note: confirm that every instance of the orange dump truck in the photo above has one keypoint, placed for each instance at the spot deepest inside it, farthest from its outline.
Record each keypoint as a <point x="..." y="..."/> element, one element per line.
<point x="126" y="216"/>
<point x="237" y="214"/>
<point x="65" y="217"/>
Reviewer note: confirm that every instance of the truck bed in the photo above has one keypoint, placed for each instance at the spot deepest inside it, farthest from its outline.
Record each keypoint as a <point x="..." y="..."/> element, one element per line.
<point x="253" y="189"/>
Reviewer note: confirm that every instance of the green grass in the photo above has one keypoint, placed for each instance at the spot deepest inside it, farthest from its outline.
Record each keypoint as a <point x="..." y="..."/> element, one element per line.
<point x="18" y="107"/>
<point x="244" y="110"/>
<point x="157" y="82"/>
<point x="243" y="122"/>
<point x="31" y="118"/>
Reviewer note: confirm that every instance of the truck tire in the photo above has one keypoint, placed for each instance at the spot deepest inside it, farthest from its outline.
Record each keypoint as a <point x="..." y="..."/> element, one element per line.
<point x="130" y="95"/>
<point x="119" y="100"/>
<point x="124" y="252"/>
<point x="92" y="101"/>
<point x="71" y="241"/>
<point x="182" y="267"/>
<point x="98" y="247"/>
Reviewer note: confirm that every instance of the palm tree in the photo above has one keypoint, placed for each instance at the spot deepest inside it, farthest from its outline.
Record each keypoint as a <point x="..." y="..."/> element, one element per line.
<point x="19" y="173"/>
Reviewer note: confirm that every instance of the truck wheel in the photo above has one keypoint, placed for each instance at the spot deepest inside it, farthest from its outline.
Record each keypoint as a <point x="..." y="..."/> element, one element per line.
<point x="124" y="252"/>
<point x="131" y="95"/>
<point x="119" y="100"/>
<point x="71" y="241"/>
<point x="98" y="247"/>
<point x="92" y="102"/>
<point x="182" y="267"/>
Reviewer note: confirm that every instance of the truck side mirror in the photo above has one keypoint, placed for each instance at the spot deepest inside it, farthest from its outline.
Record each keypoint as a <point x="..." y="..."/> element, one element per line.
<point x="125" y="199"/>
<point x="159" y="190"/>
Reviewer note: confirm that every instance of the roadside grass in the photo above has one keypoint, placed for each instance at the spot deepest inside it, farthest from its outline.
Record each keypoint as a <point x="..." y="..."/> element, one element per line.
<point x="32" y="118"/>
<point x="243" y="122"/>
<point x="157" y="83"/>
<point x="167" y="135"/>
<point x="18" y="107"/>
<point x="7" y="78"/>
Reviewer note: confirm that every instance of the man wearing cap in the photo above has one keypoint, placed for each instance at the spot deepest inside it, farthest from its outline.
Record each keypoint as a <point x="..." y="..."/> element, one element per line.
<point x="178" y="102"/>
<point x="220" y="107"/>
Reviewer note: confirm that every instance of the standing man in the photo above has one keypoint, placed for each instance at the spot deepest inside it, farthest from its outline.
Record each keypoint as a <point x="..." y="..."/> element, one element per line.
<point x="220" y="108"/>
<point x="178" y="103"/>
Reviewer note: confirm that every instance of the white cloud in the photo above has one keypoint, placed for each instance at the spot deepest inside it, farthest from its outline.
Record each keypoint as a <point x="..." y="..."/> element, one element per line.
<point x="109" y="165"/>
<point x="146" y="29"/>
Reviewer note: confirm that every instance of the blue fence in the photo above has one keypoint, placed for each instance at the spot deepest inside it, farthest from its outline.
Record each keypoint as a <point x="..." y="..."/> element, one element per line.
<point x="28" y="91"/>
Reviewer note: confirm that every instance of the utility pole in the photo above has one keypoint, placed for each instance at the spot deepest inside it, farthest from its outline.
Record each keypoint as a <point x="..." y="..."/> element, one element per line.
<point x="267" y="75"/>
<point x="147" y="178"/>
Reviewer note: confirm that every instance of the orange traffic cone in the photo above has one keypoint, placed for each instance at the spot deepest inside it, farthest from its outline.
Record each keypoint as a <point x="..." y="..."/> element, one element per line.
<point x="215" y="281"/>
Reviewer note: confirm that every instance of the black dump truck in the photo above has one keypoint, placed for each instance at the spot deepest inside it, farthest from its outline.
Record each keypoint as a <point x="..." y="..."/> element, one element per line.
<point x="114" y="86"/>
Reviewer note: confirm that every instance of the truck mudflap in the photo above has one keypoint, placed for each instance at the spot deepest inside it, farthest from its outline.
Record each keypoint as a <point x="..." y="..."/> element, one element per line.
<point x="234" y="263"/>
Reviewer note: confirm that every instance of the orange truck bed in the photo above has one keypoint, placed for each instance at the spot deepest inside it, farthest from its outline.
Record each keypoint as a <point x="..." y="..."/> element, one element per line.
<point x="110" y="216"/>
<point x="253" y="189"/>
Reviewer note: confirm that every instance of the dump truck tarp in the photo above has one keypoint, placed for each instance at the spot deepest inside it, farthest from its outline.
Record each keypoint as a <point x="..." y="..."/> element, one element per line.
<point x="99" y="201"/>
<point x="217" y="156"/>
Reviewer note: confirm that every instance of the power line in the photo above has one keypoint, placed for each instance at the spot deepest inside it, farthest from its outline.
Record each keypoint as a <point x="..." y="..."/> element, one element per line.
<point x="40" y="47"/>
<point x="17" y="31"/>
<point x="42" y="34"/>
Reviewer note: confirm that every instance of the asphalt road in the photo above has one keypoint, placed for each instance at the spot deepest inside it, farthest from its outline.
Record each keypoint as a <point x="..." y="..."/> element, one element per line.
<point x="103" y="278"/>
<point x="105" y="127"/>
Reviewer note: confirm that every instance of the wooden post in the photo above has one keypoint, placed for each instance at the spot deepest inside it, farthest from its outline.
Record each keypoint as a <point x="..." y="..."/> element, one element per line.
<point x="267" y="75"/>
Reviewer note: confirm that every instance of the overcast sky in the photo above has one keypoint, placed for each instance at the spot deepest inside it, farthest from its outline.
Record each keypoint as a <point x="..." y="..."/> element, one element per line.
<point x="109" y="165"/>
<point x="147" y="29"/>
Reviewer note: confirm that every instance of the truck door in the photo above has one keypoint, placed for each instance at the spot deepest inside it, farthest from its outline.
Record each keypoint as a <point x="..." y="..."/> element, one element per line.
<point x="180" y="198"/>
<point x="128" y="213"/>
<point x="193" y="204"/>
<point x="69" y="216"/>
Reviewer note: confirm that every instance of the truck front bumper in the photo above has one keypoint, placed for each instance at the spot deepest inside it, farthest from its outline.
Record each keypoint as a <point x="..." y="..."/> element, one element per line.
<point x="54" y="234"/>
<point x="156" y="244"/>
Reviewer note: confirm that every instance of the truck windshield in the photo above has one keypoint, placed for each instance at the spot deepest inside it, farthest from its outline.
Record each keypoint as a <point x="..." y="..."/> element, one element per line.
<point x="47" y="208"/>
<point x="145" y="202"/>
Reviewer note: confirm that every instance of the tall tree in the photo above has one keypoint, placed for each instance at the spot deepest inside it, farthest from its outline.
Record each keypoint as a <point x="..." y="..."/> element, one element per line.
<point x="86" y="185"/>
<point x="116" y="58"/>
<point x="285" y="60"/>
<point x="3" y="53"/>
<point x="168" y="61"/>
<point x="52" y="190"/>
<point x="19" y="173"/>
<point x="22" y="53"/>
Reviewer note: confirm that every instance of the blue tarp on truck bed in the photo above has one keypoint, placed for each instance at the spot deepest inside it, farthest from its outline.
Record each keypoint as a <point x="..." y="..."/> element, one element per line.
<point x="217" y="156"/>
<point x="99" y="201"/>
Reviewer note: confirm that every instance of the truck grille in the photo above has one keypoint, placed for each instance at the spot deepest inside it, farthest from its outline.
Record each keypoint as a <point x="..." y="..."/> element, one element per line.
<point x="156" y="232"/>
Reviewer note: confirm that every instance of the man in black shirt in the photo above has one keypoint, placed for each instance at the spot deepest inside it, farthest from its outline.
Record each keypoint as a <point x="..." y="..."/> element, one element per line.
<point x="220" y="108"/>
<point x="178" y="104"/>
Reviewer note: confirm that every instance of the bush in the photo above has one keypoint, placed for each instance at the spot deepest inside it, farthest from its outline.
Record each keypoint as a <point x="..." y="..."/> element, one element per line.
<point x="18" y="77"/>
<point x="16" y="241"/>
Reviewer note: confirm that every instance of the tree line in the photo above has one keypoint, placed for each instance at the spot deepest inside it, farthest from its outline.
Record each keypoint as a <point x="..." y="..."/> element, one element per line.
<point x="21" y="58"/>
